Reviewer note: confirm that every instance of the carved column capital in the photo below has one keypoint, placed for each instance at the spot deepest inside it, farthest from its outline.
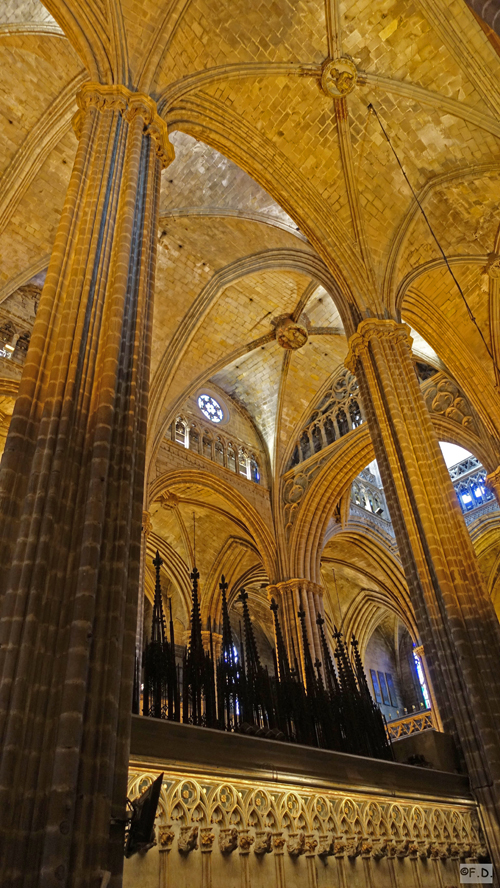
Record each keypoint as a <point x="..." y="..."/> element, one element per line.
<point x="279" y="843"/>
<point x="245" y="841"/>
<point x="263" y="841"/>
<point x="228" y="840"/>
<point x="188" y="839"/>
<point x="374" y="328"/>
<point x="207" y="839"/>
<point x="130" y="105"/>
<point x="310" y="845"/>
<point x="165" y="837"/>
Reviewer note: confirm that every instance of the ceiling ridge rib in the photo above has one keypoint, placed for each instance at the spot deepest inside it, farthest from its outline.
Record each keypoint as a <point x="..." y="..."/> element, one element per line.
<point x="440" y="14"/>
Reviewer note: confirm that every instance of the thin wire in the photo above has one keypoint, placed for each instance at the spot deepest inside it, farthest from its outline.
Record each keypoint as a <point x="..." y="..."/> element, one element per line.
<point x="448" y="266"/>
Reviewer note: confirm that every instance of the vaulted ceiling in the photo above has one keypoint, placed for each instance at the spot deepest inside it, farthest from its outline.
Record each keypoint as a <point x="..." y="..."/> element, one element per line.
<point x="282" y="200"/>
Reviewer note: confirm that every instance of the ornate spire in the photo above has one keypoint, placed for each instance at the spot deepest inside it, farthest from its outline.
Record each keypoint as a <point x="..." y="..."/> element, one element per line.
<point x="158" y="631"/>
<point x="227" y="635"/>
<point x="281" y="654"/>
<point x="195" y="640"/>
<point x="252" y="655"/>
<point x="346" y="673"/>
<point x="358" y="668"/>
<point x="328" y="665"/>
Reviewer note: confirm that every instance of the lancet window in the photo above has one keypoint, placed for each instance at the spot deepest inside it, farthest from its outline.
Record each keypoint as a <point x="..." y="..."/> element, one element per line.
<point x="181" y="432"/>
<point x="194" y="439"/>
<point x="230" y="454"/>
<point x="254" y="470"/>
<point x="242" y="463"/>
<point x="207" y="446"/>
<point x="231" y="457"/>
<point x="219" y="452"/>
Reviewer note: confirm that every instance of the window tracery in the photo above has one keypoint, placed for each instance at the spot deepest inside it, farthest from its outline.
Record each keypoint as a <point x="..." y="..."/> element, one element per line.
<point x="338" y="412"/>
<point x="210" y="408"/>
<point x="469" y="481"/>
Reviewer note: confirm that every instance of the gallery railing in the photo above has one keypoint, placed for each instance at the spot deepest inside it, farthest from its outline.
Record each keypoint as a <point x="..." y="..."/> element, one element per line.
<point x="321" y="705"/>
<point x="410" y="724"/>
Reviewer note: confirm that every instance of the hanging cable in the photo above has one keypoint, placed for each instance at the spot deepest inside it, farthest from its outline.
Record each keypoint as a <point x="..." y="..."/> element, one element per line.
<point x="448" y="266"/>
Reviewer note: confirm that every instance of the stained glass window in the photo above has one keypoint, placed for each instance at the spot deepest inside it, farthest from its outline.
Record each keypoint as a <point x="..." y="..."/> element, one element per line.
<point x="210" y="408"/>
<point x="421" y="678"/>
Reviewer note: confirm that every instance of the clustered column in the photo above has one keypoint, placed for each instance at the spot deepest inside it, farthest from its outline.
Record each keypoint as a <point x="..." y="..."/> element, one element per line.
<point x="71" y="494"/>
<point x="292" y="596"/>
<point x="456" y="620"/>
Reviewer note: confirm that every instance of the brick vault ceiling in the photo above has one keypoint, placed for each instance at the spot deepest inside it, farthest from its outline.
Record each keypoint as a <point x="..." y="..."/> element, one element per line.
<point x="271" y="172"/>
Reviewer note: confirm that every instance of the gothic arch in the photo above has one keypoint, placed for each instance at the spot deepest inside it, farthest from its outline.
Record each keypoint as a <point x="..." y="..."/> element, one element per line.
<point x="350" y="455"/>
<point x="258" y="529"/>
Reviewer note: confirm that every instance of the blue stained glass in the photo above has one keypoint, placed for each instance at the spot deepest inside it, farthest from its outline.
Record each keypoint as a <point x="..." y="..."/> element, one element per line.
<point x="210" y="408"/>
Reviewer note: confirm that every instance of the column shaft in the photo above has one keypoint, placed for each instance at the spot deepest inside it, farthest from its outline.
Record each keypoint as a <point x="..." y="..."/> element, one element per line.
<point x="71" y="493"/>
<point x="457" y="623"/>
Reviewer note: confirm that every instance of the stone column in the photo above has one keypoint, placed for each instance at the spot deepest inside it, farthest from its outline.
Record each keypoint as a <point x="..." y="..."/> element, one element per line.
<point x="456" y="620"/>
<point x="245" y="842"/>
<point x="493" y="482"/>
<point x="311" y="843"/>
<point x="291" y="595"/>
<point x="207" y="838"/>
<point x="71" y="499"/>
<point x="166" y="836"/>
<point x="279" y="843"/>
<point x="139" y="634"/>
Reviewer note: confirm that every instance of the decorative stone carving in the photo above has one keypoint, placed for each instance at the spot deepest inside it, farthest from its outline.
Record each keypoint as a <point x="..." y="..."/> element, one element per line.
<point x="245" y="841"/>
<point x="443" y="397"/>
<point x="379" y="849"/>
<point x="352" y="826"/>
<point x="296" y="844"/>
<point x="169" y="501"/>
<point x="279" y="842"/>
<point x="339" y="846"/>
<point x="492" y="268"/>
<point x="439" y="851"/>
<point x="166" y="836"/>
<point x="207" y="838"/>
<point x="366" y="848"/>
<point x="130" y="105"/>
<point x="353" y="847"/>
<point x="338" y="77"/>
<point x="228" y="840"/>
<point x="263" y="842"/>
<point x="310" y="845"/>
<point x="291" y="335"/>
<point x="325" y="846"/>
<point x="188" y="839"/>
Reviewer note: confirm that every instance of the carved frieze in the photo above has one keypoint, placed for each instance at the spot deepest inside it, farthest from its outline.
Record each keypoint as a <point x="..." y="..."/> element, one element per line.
<point x="222" y="816"/>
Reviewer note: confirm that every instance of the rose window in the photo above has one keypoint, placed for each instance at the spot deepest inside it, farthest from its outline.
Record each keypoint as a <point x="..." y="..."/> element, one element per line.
<point x="210" y="408"/>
